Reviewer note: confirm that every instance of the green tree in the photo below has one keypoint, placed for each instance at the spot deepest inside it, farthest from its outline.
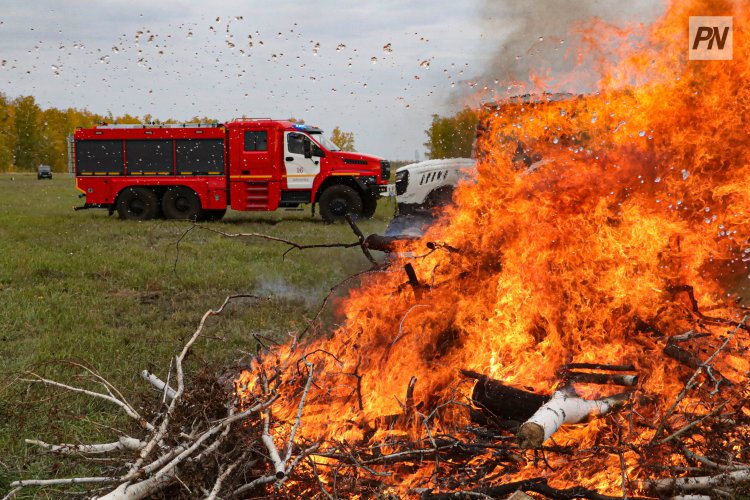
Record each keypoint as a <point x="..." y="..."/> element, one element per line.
<point x="452" y="137"/>
<point x="7" y="133"/>
<point x="29" y="141"/>
<point x="127" y="119"/>
<point x="54" y="133"/>
<point x="344" y="140"/>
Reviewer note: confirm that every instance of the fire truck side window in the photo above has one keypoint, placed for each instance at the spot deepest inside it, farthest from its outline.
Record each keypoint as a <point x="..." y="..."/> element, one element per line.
<point x="294" y="143"/>
<point x="200" y="156"/>
<point x="99" y="158"/>
<point x="149" y="157"/>
<point x="256" y="140"/>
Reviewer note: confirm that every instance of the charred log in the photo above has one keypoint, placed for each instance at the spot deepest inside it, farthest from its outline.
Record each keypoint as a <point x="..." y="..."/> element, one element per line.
<point x="416" y="285"/>
<point x="387" y="244"/>
<point x="500" y="404"/>
<point x="599" y="378"/>
<point x="687" y="358"/>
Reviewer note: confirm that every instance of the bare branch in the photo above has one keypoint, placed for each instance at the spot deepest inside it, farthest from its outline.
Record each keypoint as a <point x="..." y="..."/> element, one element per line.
<point x="124" y="443"/>
<point x="107" y="397"/>
<point x="160" y="385"/>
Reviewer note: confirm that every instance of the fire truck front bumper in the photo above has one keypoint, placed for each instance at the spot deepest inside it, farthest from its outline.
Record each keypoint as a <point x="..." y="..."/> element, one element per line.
<point x="387" y="190"/>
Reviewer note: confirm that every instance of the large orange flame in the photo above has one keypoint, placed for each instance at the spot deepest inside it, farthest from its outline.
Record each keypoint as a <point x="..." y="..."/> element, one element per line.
<point x="641" y="186"/>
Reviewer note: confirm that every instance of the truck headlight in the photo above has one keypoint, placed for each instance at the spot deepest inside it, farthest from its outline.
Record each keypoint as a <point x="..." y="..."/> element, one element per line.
<point x="402" y="181"/>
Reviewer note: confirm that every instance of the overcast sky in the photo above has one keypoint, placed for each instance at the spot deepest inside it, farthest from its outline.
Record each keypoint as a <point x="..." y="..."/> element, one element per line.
<point x="379" y="69"/>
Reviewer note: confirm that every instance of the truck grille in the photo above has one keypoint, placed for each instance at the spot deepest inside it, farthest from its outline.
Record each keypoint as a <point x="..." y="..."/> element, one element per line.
<point x="385" y="169"/>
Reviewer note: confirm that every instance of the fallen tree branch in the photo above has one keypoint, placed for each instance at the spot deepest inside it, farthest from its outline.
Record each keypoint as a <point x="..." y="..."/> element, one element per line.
<point x="129" y="410"/>
<point x="124" y="443"/>
<point x="387" y="244"/>
<point x="701" y="483"/>
<point x="57" y="482"/>
<point x="292" y="244"/>
<point x="160" y="385"/>
<point x="692" y="382"/>
<point x="362" y="241"/>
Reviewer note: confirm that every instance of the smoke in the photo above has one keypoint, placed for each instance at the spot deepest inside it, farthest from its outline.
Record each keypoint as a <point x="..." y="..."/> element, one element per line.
<point x="279" y="288"/>
<point x="539" y="42"/>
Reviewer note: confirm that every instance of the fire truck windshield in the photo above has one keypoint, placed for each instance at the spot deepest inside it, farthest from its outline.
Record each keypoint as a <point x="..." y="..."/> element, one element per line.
<point x="324" y="141"/>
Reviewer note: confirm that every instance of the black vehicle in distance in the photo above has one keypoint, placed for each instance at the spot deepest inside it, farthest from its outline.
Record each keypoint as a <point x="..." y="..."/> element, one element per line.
<point x="44" y="172"/>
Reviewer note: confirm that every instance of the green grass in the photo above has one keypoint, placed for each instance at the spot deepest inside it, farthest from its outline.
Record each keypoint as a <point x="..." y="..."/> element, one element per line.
<point x="88" y="287"/>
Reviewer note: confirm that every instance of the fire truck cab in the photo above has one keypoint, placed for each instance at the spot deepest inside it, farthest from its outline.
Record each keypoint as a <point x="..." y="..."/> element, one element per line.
<point x="197" y="171"/>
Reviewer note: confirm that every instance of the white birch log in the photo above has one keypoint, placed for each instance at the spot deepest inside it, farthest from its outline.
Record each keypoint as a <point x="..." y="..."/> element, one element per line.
<point x="701" y="483"/>
<point x="124" y="443"/>
<point x="565" y="407"/>
<point x="137" y="491"/>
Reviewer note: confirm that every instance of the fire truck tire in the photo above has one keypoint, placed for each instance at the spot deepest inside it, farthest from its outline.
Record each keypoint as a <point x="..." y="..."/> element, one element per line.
<point x="369" y="205"/>
<point x="339" y="200"/>
<point x="181" y="203"/>
<point x="214" y="215"/>
<point x="137" y="203"/>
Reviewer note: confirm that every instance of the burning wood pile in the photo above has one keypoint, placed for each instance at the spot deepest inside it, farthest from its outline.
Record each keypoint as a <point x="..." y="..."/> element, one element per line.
<point x="570" y="330"/>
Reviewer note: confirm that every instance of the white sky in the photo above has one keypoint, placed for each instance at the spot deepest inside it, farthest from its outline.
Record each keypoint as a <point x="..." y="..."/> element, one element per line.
<point x="322" y="61"/>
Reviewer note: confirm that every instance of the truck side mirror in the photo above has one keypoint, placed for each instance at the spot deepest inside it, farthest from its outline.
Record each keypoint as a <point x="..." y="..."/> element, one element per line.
<point x="307" y="148"/>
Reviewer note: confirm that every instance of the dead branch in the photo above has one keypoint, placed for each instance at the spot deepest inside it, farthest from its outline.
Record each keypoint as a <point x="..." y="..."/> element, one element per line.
<point x="68" y="481"/>
<point x="160" y="385"/>
<point x="129" y="410"/>
<point x="675" y="289"/>
<point x="298" y="420"/>
<point x="162" y="430"/>
<point x="292" y="244"/>
<point x="692" y="382"/>
<point x="702" y="483"/>
<point x="362" y="241"/>
<point x="690" y="360"/>
<point x="124" y="443"/>
<point x="387" y="244"/>
<point x="223" y="474"/>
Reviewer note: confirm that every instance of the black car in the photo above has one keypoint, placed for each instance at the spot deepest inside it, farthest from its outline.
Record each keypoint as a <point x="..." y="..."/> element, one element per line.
<point x="44" y="172"/>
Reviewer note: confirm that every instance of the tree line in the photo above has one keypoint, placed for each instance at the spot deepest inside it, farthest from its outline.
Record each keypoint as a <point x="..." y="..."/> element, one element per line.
<point x="30" y="135"/>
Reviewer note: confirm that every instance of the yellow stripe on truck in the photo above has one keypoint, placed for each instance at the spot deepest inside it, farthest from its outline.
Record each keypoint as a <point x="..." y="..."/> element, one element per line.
<point x="235" y="177"/>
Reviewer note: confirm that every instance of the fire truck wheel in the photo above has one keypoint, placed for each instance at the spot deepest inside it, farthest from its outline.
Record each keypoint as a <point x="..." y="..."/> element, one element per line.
<point x="339" y="200"/>
<point x="181" y="203"/>
<point x="214" y="215"/>
<point x="369" y="205"/>
<point x="137" y="203"/>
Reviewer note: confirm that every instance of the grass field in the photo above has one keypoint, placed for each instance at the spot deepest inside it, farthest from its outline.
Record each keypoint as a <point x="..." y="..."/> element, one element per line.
<point x="112" y="294"/>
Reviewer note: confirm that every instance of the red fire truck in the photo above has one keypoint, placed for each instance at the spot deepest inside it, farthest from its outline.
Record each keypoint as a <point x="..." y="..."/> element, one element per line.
<point x="196" y="171"/>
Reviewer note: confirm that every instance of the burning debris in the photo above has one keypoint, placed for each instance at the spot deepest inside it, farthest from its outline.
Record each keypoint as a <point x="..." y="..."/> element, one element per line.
<point x="569" y="331"/>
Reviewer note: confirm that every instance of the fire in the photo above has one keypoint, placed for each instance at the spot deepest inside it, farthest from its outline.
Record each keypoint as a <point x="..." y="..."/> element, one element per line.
<point x="638" y="188"/>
